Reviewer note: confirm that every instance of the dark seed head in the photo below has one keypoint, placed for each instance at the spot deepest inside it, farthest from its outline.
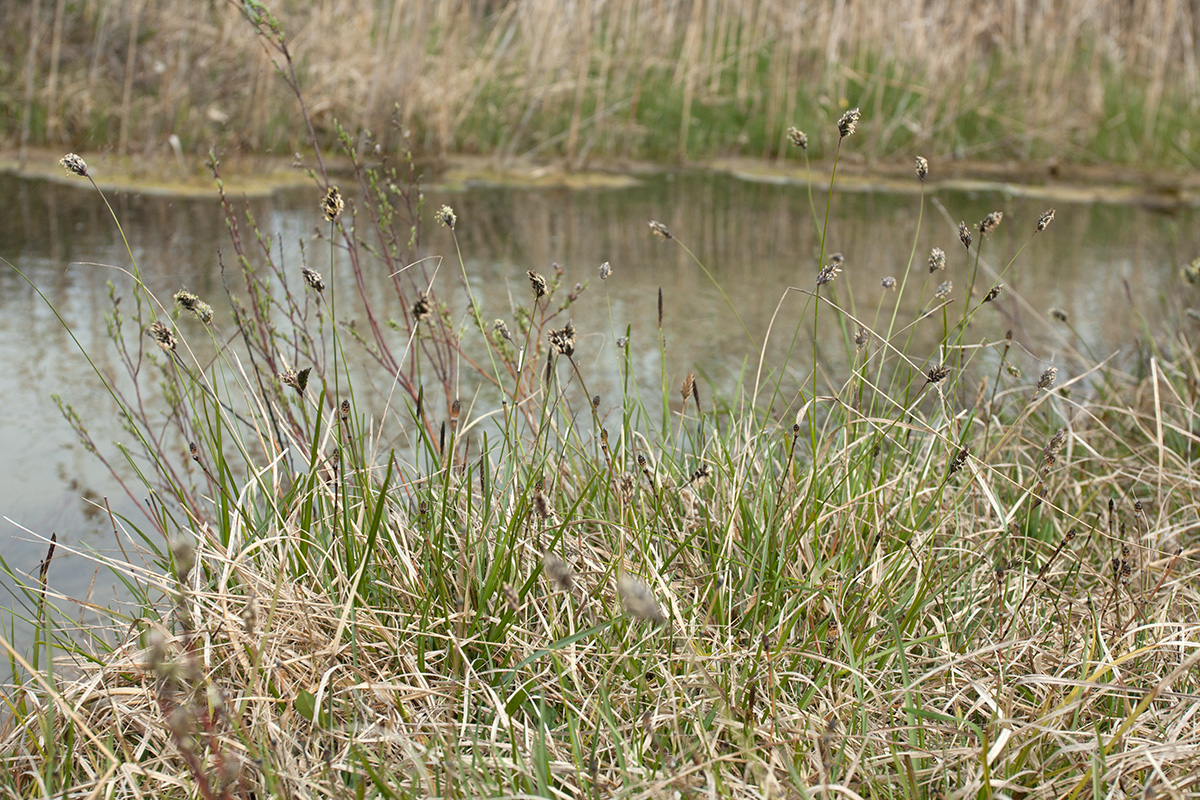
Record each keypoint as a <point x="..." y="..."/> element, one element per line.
<point x="1045" y="219"/>
<point x="74" y="165"/>
<point x="660" y="230"/>
<point x="313" y="279"/>
<point x="538" y="283"/>
<point x="922" y="168"/>
<point x="333" y="204"/>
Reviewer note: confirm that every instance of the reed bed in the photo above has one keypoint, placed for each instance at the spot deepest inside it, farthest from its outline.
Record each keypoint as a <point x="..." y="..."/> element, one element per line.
<point x="870" y="570"/>
<point x="1078" y="80"/>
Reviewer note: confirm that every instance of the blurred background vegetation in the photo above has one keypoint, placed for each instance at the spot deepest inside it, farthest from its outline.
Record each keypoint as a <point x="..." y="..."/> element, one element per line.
<point x="1079" y="81"/>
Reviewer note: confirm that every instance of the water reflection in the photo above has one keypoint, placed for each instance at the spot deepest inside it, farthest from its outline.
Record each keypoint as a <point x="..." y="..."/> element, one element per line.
<point x="1108" y="267"/>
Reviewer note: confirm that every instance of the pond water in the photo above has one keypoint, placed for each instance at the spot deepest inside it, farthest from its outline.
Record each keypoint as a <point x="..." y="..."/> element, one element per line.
<point x="1112" y="269"/>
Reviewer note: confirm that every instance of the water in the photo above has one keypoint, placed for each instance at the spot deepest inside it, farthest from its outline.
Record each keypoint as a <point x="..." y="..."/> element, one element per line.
<point x="1112" y="269"/>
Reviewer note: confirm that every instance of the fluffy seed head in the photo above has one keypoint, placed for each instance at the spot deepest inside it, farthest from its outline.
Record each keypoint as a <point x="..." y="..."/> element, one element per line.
<point x="446" y="216"/>
<point x="660" y="230"/>
<point x="922" y="168"/>
<point x="638" y="600"/>
<point x="333" y="204"/>
<point x="74" y="165"/>
<point x="849" y="122"/>
<point x="797" y="137"/>
<point x="559" y="572"/>
<point x="943" y="290"/>
<point x="1045" y="219"/>
<point x="964" y="235"/>
<point x="937" y="259"/>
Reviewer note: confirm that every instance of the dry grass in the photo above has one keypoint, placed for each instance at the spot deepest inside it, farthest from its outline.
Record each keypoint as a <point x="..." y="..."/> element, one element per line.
<point x="1078" y="80"/>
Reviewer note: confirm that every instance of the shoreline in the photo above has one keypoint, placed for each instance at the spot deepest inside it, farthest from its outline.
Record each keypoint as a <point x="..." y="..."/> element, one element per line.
<point x="261" y="175"/>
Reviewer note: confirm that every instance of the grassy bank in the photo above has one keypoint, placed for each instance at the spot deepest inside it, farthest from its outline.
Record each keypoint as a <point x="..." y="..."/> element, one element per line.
<point x="390" y="548"/>
<point x="1078" y="81"/>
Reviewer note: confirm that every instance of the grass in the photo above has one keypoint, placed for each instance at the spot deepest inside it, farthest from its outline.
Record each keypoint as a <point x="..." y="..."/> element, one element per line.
<point x="456" y="572"/>
<point x="1078" y="81"/>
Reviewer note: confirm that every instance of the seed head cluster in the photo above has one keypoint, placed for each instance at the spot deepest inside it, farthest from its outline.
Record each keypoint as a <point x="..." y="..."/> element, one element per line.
<point x="937" y="259"/>
<point x="446" y="216"/>
<point x="422" y="308"/>
<point x="163" y="336"/>
<point x="797" y="137"/>
<point x="964" y="235"/>
<point x="538" y="283"/>
<point x="190" y="302"/>
<point x="922" y="168"/>
<point x="74" y="165"/>
<point x="848" y="124"/>
<point x="989" y="223"/>
<point x="313" y="279"/>
<point x="332" y="205"/>
<point x="660" y="230"/>
<point x="828" y="273"/>
<point x="1045" y="219"/>
<point x="563" y="340"/>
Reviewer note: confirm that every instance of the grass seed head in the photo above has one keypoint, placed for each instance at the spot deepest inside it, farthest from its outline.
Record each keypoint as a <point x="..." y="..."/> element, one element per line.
<point x="989" y="223"/>
<point x="660" y="230"/>
<point x="563" y="340"/>
<point x="422" y="308"/>
<point x="190" y="302"/>
<point x="943" y="290"/>
<point x="605" y="271"/>
<point x="1058" y="314"/>
<point x="937" y="259"/>
<point x="74" y="165"/>
<point x="922" y="168"/>
<point x="828" y="273"/>
<point x="538" y="283"/>
<point x="1045" y="219"/>
<point x="964" y="234"/>
<point x="313" y="279"/>
<point x="332" y="205"/>
<point x="797" y="137"/>
<point x="848" y="124"/>
<point x="1047" y="378"/>
<point x="960" y="459"/>
<point x="446" y="216"/>
<point x="294" y="379"/>
<point x="639" y="602"/>
<point x="888" y="283"/>
<point x="500" y="327"/>
<point x="163" y="336"/>
<point x="689" y="384"/>
<point x="937" y="374"/>
<point x="559" y="572"/>
<point x="993" y="293"/>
